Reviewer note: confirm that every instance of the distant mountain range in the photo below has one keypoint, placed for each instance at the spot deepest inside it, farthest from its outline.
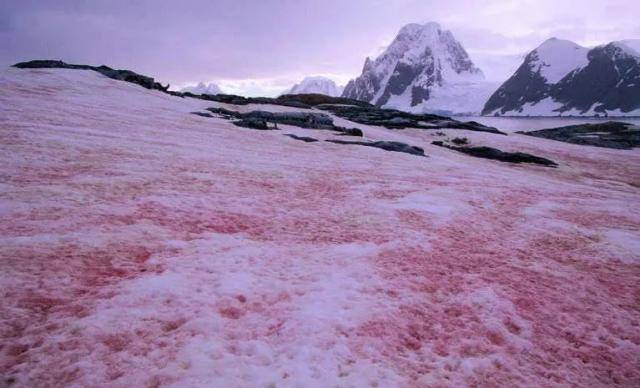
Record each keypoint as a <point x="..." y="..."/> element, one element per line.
<point x="426" y="70"/>
<point x="562" y="78"/>
<point x="316" y="85"/>
<point x="202" y="88"/>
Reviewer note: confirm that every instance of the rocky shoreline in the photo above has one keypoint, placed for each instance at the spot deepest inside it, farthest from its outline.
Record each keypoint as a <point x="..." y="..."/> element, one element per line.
<point x="611" y="134"/>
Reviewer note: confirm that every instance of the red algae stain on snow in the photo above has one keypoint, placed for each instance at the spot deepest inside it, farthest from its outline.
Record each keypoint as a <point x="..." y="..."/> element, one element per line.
<point x="415" y="220"/>
<point x="449" y="324"/>
<point x="486" y="296"/>
<point x="59" y="284"/>
<point x="193" y="221"/>
<point x="231" y="312"/>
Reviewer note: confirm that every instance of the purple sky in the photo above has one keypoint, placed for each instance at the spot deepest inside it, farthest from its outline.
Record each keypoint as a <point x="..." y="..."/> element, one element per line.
<point x="262" y="47"/>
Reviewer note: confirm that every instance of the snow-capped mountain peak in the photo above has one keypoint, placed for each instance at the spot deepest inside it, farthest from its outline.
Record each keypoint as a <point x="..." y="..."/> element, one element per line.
<point x="563" y="78"/>
<point x="316" y="84"/>
<point x="202" y="88"/>
<point x="423" y="69"/>
<point x="555" y="58"/>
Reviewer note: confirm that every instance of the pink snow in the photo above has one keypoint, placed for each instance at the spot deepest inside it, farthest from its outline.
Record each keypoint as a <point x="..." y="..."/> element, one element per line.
<point x="145" y="246"/>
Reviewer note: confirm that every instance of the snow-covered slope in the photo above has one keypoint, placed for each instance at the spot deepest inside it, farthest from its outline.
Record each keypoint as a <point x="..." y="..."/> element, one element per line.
<point x="141" y="245"/>
<point x="633" y="44"/>
<point x="562" y="78"/>
<point x="424" y="69"/>
<point x="202" y="88"/>
<point x="318" y="84"/>
<point x="556" y="58"/>
<point x="460" y="98"/>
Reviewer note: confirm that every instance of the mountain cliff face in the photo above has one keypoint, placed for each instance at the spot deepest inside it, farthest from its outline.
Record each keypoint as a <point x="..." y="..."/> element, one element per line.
<point x="424" y="69"/>
<point x="562" y="78"/>
<point x="316" y="85"/>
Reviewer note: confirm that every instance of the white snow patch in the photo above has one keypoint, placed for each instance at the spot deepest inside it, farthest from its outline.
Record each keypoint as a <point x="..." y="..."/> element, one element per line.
<point x="558" y="57"/>
<point x="433" y="202"/>
<point x="626" y="243"/>
<point x="544" y="107"/>
<point x="451" y="98"/>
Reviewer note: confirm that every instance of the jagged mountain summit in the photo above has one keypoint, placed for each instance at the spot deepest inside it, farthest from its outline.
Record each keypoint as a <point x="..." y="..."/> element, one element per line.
<point x="561" y="77"/>
<point x="202" y="88"/>
<point x="316" y="85"/>
<point x="425" y="69"/>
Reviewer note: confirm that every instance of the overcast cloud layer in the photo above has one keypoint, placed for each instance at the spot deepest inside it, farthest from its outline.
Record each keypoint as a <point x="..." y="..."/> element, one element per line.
<point x="262" y="47"/>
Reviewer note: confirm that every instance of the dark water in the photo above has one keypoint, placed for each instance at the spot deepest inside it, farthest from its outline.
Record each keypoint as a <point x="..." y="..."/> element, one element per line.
<point x="513" y="124"/>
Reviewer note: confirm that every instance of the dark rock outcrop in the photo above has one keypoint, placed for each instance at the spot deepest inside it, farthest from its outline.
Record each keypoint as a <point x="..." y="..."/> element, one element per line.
<point x="253" y="123"/>
<point x="395" y="119"/>
<point x="460" y="140"/>
<point x="122" y="75"/>
<point x="234" y="99"/>
<point x="203" y="114"/>
<point x="305" y="139"/>
<point x="225" y="113"/>
<point x="349" y="131"/>
<point x="496" y="154"/>
<point x="303" y="101"/>
<point x="311" y="120"/>
<point x="610" y="134"/>
<point x="176" y="94"/>
<point x="318" y="99"/>
<point x="393" y="146"/>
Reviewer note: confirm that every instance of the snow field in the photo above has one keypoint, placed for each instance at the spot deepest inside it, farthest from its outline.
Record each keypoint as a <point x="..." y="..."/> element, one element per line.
<point x="142" y="245"/>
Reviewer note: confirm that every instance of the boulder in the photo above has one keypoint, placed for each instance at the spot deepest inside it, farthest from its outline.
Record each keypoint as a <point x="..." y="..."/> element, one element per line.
<point x="393" y="146"/>
<point x="496" y="154"/>
<point x="203" y="114"/>
<point x="305" y="139"/>
<point x="300" y="119"/>
<point x="460" y="140"/>
<point x="253" y="123"/>
<point x="313" y="99"/>
<point x="225" y="113"/>
<point x="610" y="134"/>
<point x="349" y="131"/>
